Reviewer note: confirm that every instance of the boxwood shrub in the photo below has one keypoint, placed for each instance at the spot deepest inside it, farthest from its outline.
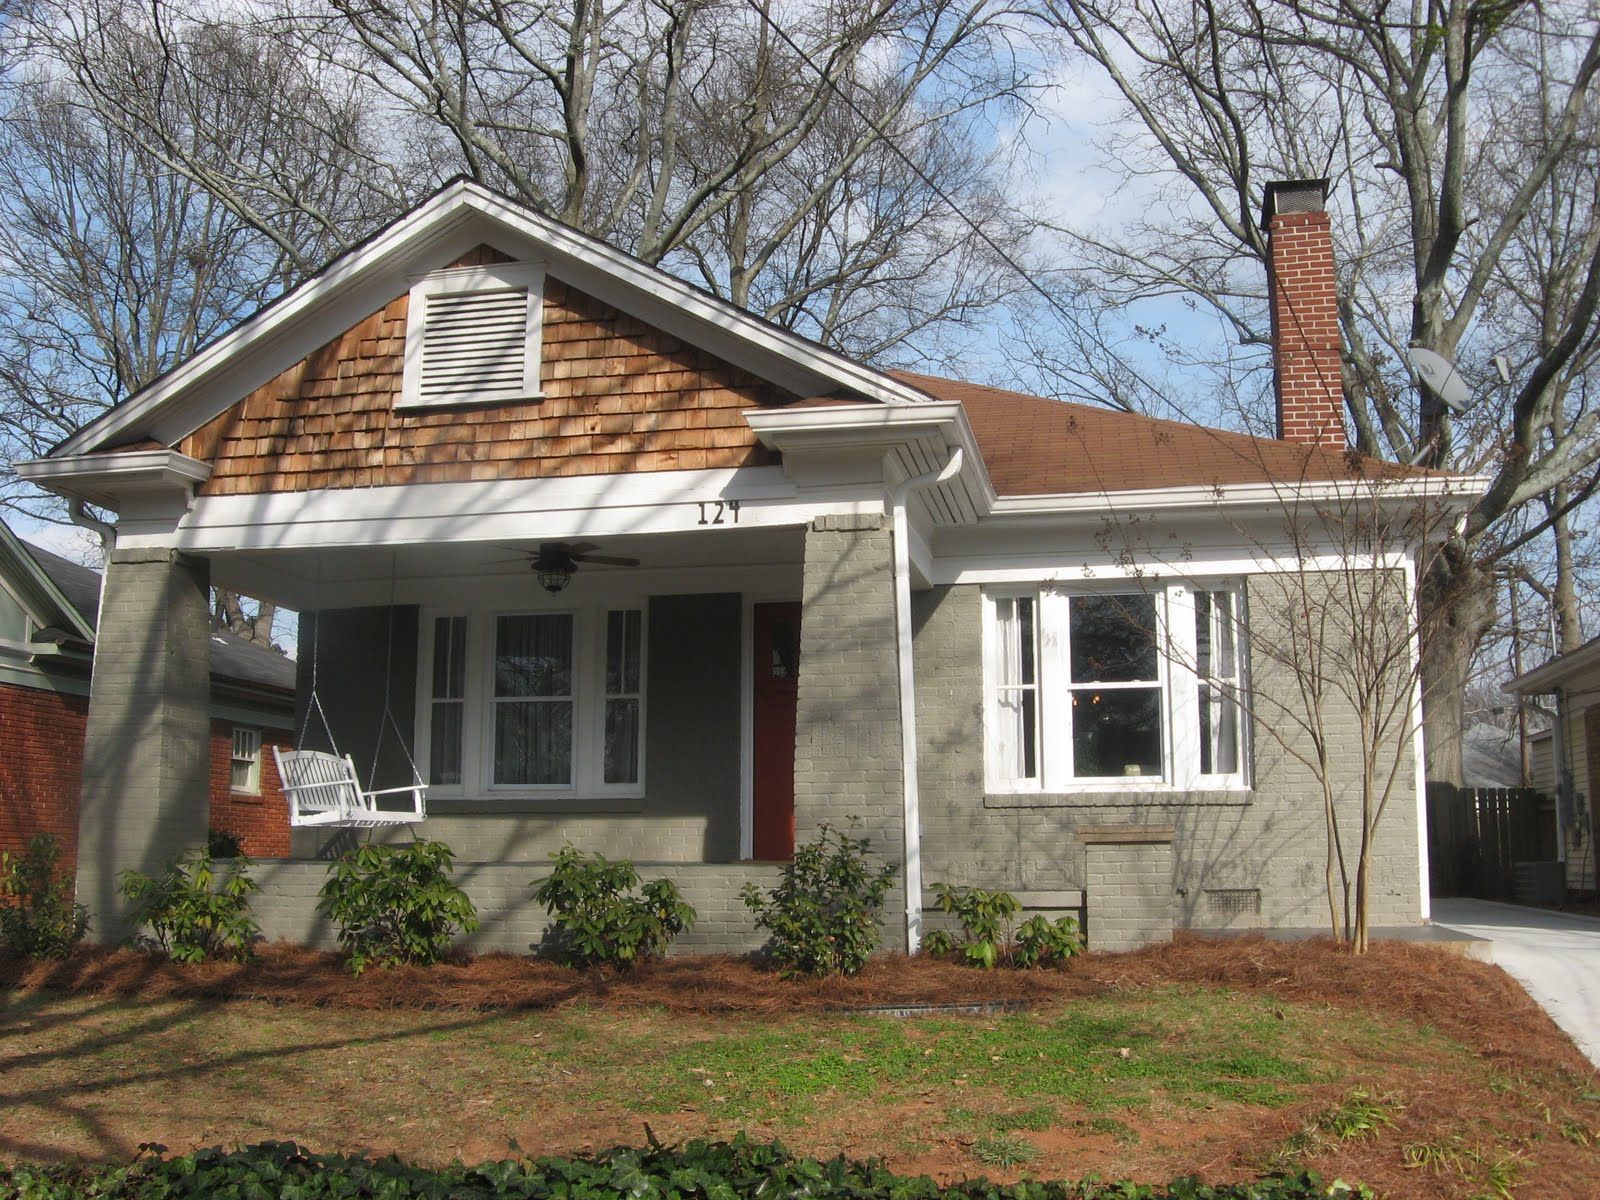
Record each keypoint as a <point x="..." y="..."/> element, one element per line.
<point x="696" y="1171"/>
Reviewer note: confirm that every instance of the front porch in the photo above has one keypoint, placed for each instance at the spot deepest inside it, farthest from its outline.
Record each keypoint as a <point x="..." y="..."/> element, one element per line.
<point x="695" y="713"/>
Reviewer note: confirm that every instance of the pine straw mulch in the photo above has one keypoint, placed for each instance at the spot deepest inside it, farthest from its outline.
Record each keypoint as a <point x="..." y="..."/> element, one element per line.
<point x="1472" y="1002"/>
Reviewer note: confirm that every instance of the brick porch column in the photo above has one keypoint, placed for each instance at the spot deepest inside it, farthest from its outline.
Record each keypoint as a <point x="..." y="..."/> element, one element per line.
<point x="847" y="733"/>
<point x="146" y="757"/>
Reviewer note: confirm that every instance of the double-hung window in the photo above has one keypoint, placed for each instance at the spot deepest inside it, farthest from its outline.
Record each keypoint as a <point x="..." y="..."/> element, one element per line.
<point x="244" y="764"/>
<point x="1109" y="690"/>
<point x="542" y="703"/>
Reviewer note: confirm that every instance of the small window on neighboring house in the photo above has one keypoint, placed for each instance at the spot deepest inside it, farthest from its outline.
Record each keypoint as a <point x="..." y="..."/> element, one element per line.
<point x="472" y="336"/>
<point x="246" y="765"/>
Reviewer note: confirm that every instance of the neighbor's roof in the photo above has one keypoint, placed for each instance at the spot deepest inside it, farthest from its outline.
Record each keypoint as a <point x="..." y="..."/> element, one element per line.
<point x="232" y="657"/>
<point x="1038" y="447"/>
<point x="1555" y="673"/>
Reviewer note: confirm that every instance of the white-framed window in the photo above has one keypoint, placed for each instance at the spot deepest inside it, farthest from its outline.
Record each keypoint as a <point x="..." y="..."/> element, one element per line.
<point x="473" y="336"/>
<point x="1113" y="689"/>
<point x="533" y="703"/>
<point x="245" y="762"/>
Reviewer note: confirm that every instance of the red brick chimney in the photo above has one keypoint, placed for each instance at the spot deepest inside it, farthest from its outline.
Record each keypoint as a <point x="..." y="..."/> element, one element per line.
<point x="1305" y="313"/>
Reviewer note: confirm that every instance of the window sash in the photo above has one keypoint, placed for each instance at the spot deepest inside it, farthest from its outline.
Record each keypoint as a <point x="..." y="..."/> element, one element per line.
<point x="244" y="766"/>
<point x="532" y="725"/>
<point x="1015" y="716"/>
<point x="448" y="702"/>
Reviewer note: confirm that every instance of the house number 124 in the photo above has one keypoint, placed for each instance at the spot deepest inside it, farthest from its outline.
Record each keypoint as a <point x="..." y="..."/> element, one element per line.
<point x="714" y="512"/>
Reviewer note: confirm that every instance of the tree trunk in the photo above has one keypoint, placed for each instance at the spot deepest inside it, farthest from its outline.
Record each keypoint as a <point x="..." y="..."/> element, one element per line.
<point x="1457" y="610"/>
<point x="1569" y="629"/>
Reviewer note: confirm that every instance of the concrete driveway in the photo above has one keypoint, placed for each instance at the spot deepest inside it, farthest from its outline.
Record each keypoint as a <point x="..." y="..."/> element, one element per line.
<point x="1556" y="957"/>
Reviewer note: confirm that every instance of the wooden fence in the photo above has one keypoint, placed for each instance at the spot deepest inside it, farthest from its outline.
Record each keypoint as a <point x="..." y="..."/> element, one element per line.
<point x="1475" y="835"/>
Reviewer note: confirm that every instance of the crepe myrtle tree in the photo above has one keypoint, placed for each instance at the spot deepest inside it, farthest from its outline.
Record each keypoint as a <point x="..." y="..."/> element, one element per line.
<point x="1331" y="639"/>
<point x="1460" y="141"/>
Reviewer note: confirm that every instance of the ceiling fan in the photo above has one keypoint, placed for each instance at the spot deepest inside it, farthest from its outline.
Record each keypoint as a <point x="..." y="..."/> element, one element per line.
<point x="555" y="563"/>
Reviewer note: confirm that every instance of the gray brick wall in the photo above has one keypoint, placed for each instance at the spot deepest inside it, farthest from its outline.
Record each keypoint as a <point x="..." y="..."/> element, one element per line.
<point x="847" y="741"/>
<point x="1129" y="894"/>
<point x="286" y="906"/>
<point x="147" y="748"/>
<point x="1270" y="841"/>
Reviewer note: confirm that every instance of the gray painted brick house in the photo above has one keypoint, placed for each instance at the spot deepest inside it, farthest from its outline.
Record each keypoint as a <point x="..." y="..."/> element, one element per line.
<point x="610" y="562"/>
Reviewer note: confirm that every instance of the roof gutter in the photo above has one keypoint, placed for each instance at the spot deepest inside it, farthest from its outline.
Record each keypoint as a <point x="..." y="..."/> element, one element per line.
<point x="1457" y="491"/>
<point x="898" y="497"/>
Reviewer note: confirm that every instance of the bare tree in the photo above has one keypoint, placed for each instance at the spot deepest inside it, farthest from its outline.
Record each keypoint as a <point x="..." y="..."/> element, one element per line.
<point x="1334" y="642"/>
<point x="807" y="168"/>
<point x="1461" y="141"/>
<point x="116" y="267"/>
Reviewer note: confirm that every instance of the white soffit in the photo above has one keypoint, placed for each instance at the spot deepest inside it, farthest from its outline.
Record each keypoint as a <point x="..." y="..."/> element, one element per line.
<point x="459" y="217"/>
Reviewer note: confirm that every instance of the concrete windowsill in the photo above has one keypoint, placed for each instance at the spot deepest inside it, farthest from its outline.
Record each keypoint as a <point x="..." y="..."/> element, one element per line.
<point x="533" y="806"/>
<point x="1131" y="799"/>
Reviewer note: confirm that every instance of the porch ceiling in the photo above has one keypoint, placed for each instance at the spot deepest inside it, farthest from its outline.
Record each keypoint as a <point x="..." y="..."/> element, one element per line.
<point x="431" y="573"/>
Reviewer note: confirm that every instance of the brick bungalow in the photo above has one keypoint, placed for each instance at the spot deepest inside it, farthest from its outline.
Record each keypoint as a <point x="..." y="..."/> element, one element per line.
<point x="49" y="607"/>
<point x="635" y="569"/>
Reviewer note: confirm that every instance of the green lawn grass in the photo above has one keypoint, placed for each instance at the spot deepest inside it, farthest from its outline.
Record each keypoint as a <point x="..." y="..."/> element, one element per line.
<point x="1156" y="1081"/>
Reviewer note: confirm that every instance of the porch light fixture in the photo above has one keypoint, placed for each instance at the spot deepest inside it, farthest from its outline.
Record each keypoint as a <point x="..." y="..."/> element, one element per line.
<point x="554" y="576"/>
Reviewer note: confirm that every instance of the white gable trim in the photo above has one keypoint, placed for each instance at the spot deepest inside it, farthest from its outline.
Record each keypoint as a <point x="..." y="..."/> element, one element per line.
<point x="459" y="217"/>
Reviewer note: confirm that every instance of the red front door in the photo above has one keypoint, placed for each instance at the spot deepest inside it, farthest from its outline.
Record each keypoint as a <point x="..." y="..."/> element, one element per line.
<point x="777" y="690"/>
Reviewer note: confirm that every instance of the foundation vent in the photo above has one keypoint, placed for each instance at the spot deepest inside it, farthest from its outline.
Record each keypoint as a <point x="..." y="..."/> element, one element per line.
<point x="1233" y="902"/>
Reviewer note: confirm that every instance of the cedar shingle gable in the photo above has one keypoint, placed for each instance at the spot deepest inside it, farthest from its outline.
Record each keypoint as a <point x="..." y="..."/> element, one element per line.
<point x="619" y="396"/>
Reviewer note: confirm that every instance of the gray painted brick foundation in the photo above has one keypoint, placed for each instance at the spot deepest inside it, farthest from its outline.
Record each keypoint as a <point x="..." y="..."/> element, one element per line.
<point x="1128" y="883"/>
<point x="147" y="748"/>
<point x="511" y="920"/>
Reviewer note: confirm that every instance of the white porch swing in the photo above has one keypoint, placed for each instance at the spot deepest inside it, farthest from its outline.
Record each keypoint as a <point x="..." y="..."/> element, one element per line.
<point x="323" y="788"/>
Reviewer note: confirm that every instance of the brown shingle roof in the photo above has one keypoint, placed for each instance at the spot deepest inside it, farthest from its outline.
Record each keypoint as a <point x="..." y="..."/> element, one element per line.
<point x="1034" y="447"/>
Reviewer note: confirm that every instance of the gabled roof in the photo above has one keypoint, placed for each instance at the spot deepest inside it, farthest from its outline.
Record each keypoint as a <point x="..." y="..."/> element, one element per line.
<point x="232" y="657"/>
<point x="46" y="600"/>
<point x="1036" y="447"/>
<point x="458" y="217"/>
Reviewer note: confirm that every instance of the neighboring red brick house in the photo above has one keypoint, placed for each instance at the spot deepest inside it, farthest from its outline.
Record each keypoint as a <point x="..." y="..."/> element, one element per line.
<point x="48" y="612"/>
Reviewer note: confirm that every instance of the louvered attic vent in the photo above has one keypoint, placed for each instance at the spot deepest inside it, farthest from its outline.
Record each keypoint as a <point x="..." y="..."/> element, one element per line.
<point x="472" y="337"/>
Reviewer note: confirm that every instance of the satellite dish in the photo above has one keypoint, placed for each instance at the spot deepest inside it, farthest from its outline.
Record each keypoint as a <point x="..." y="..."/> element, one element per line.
<point x="1440" y="376"/>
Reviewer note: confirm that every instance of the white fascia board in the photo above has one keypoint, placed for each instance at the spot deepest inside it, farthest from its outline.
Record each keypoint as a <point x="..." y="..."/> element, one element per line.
<point x="109" y="479"/>
<point x="451" y="222"/>
<point x="1450" y="492"/>
<point x="499" y="511"/>
<point x="1070" y="571"/>
<point x="1549" y="677"/>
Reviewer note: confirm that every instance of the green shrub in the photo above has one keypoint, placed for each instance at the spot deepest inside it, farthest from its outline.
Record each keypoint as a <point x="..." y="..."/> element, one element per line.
<point x="193" y="911"/>
<point x="823" y="915"/>
<point x="596" y="919"/>
<point x="986" y="920"/>
<point x="696" y="1171"/>
<point x="37" y="916"/>
<point x="1041" y="941"/>
<point x="395" y="905"/>
<point x="991" y="939"/>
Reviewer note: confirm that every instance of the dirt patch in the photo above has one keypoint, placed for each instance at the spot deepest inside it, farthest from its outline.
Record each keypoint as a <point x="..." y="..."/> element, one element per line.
<point x="1472" y="1002"/>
